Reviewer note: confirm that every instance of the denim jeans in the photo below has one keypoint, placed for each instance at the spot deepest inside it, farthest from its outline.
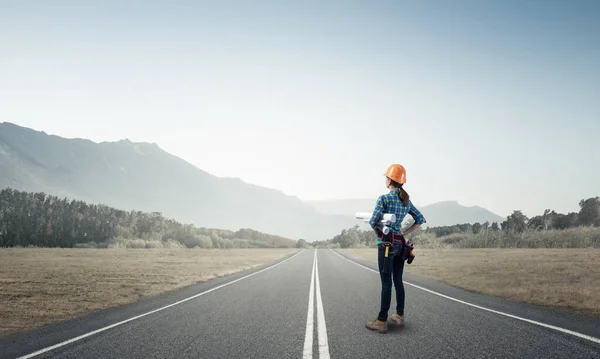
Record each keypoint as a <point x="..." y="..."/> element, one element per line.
<point x="395" y="267"/>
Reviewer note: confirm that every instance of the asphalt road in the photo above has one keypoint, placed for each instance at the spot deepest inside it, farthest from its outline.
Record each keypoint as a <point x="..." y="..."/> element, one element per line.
<point x="266" y="313"/>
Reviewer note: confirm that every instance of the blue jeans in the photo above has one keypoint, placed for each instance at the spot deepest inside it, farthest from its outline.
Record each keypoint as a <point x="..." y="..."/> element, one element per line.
<point x="395" y="267"/>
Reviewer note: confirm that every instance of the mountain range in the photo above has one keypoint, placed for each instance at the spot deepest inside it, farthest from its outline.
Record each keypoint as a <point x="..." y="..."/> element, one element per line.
<point x="141" y="176"/>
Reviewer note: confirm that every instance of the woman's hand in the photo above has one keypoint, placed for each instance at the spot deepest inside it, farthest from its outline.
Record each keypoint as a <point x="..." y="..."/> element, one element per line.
<point x="412" y="228"/>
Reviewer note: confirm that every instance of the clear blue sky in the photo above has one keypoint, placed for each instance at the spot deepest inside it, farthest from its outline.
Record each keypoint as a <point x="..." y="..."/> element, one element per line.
<point x="490" y="103"/>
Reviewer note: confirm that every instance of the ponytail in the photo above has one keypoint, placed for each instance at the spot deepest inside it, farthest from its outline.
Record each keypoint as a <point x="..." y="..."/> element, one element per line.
<point x="404" y="197"/>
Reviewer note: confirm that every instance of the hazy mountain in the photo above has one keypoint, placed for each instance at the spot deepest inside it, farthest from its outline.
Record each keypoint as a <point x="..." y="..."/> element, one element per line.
<point x="449" y="213"/>
<point x="445" y="213"/>
<point x="143" y="177"/>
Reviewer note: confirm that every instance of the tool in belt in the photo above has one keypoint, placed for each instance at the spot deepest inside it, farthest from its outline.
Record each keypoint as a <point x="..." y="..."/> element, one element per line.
<point x="388" y="240"/>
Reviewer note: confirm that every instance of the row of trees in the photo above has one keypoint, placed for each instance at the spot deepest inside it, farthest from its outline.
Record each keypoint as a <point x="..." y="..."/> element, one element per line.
<point x="38" y="219"/>
<point x="588" y="215"/>
<point x="350" y="237"/>
<point x="517" y="222"/>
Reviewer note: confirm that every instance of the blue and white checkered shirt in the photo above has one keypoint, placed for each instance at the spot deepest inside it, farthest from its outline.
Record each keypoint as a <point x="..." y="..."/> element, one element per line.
<point x="391" y="203"/>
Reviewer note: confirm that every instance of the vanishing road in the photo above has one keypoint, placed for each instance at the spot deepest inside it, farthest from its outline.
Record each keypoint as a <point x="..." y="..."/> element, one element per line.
<point x="313" y="304"/>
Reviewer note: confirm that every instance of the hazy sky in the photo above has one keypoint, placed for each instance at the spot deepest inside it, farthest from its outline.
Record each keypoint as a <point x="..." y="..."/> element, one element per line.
<point x="490" y="103"/>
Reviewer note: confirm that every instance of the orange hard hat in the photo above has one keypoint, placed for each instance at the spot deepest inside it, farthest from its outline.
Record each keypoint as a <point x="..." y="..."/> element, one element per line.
<point x="396" y="173"/>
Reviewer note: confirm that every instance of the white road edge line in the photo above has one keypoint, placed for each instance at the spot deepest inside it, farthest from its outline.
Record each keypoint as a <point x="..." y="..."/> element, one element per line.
<point x="567" y="331"/>
<point x="61" y="344"/>
<point x="322" y="328"/>
<point x="308" y="337"/>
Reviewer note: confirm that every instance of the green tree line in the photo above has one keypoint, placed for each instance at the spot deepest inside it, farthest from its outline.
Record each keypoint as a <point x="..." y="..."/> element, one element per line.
<point x="588" y="215"/>
<point x="42" y="220"/>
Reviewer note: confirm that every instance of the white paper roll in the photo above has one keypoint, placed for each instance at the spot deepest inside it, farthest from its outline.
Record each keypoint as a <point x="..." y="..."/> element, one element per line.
<point x="385" y="229"/>
<point x="388" y="217"/>
<point x="380" y="222"/>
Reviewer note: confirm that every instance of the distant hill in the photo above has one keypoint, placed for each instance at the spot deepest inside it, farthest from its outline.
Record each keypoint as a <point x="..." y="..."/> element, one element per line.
<point x="449" y="213"/>
<point x="445" y="213"/>
<point x="141" y="176"/>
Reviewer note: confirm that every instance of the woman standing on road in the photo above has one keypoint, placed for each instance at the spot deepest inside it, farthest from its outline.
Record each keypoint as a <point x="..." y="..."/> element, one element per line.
<point x="396" y="201"/>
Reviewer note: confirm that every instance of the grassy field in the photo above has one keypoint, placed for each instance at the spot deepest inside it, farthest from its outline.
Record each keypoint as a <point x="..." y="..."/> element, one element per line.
<point x="561" y="278"/>
<point x="40" y="286"/>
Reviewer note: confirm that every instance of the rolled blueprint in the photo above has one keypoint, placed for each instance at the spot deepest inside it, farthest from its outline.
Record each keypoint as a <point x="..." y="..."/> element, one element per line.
<point x="380" y="222"/>
<point x="387" y="217"/>
<point x="385" y="229"/>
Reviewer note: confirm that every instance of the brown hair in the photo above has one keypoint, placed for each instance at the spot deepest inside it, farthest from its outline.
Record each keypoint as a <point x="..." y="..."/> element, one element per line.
<point x="403" y="195"/>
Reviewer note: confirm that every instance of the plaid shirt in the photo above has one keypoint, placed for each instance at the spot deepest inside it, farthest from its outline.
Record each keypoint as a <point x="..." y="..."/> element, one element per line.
<point x="390" y="203"/>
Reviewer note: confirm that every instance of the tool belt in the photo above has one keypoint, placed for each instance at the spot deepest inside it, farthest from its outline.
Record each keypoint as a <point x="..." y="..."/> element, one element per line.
<point x="388" y="240"/>
<point x="391" y="238"/>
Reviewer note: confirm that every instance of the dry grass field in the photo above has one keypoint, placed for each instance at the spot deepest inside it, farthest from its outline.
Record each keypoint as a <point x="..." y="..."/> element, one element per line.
<point x="40" y="286"/>
<point x="561" y="278"/>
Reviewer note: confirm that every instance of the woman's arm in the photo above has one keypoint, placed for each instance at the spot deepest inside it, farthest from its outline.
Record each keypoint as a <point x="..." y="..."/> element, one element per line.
<point x="417" y="216"/>
<point x="377" y="213"/>
<point x="410" y="229"/>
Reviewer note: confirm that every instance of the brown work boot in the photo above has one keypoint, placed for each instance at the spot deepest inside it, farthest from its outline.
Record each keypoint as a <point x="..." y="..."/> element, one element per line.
<point x="398" y="319"/>
<point x="377" y="325"/>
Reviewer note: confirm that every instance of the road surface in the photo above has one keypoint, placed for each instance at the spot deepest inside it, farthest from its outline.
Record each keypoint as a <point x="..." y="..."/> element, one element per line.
<point x="313" y="304"/>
